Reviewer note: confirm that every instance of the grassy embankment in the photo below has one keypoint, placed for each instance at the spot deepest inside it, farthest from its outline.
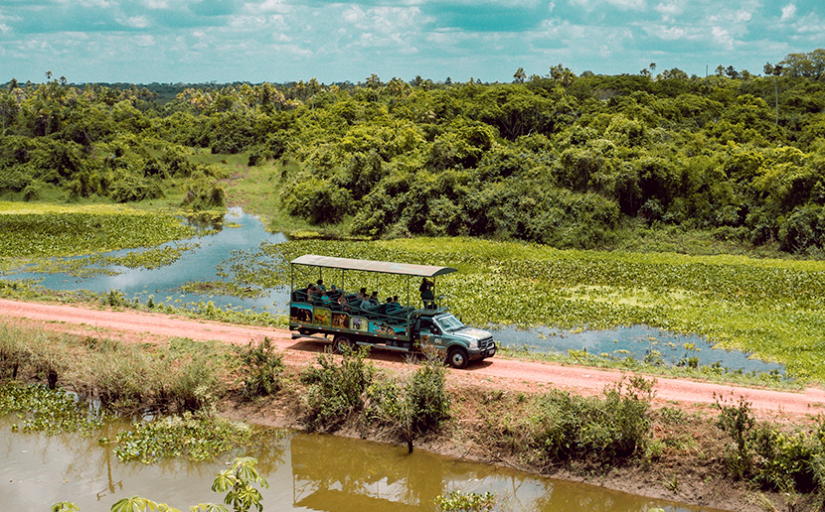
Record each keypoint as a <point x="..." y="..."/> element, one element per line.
<point x="614" y="438"/>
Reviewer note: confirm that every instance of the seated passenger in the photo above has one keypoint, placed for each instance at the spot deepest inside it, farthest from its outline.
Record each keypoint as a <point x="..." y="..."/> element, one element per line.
<point x="396" y="306"/>
<point x="344" y="303"/>
<point x="310" y="291"/>
<point x="390" y="306"/>
<point x="362" y="294"/>
<point x="325" y="300"/>
<point x="321" y="286"/>
<point x="374" y="298"/>
<point x="334" y="293"/>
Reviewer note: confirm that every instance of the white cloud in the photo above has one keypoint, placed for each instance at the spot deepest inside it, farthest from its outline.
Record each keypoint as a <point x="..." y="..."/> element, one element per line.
<point x="788" y="12"/>
<point x="267" y="6"/>
<point x="741" y="15"/>
<point x="636" y="5"/>
<point x="157" y="4"/>
<point x="669" y="11"/>
<point x="144" y="40"/>
<point x="722" y="37"/>
<point x="668" y="33"/>
<point x="135" y="22"/>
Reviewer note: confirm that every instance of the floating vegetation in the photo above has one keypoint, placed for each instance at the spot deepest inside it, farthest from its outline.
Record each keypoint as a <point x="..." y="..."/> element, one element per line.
<point x="43" y="410"/>
<point x="66" y="234"/>
<point x="223" y="288"/>
<point x="770" y="308"/>
<point x="195" y="437"/>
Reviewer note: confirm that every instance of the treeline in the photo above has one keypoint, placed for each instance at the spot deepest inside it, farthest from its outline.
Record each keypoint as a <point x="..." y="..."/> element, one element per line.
<point x="557" y="159"/>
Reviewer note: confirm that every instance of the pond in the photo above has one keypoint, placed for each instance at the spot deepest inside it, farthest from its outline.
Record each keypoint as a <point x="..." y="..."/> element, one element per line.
<point x="305" y="472"/>
<point x="200" y="263"/>
<point x="210" y="255"/>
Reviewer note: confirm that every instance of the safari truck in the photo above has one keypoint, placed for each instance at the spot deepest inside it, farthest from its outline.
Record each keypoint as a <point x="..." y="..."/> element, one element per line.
<point x="318" y="312"/>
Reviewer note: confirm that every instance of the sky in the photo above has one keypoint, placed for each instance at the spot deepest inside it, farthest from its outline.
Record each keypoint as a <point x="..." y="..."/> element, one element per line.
<point x="195" y="41"/>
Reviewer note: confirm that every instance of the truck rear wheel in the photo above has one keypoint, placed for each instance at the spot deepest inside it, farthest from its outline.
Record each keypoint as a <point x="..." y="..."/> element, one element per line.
<point x="457" y="358"/>
<point x="339" y="343"/>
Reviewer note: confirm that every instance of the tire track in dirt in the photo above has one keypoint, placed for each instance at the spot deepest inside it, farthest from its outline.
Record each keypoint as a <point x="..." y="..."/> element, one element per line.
<point x="499" y="373"/>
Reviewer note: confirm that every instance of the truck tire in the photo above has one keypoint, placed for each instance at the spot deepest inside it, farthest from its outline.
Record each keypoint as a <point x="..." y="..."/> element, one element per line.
<point x="457" y="358"/>
<point x="339" y="343"/>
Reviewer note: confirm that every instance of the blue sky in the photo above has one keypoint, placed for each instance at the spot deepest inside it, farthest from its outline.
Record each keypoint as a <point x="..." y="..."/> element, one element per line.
<point x="284" y="40"/>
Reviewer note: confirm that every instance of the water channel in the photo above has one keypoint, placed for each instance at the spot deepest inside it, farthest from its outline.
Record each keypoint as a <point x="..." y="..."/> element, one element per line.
<point x="205" y="262"/>
<point x="305" y="473"/>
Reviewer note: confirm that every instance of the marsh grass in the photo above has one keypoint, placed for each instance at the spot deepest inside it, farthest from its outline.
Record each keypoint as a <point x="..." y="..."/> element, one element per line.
<point x="127" y="378"/>
<point x="771" y="308"/>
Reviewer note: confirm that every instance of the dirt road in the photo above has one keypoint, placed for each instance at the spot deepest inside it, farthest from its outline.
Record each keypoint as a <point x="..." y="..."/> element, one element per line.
<point x="500" y="373"/>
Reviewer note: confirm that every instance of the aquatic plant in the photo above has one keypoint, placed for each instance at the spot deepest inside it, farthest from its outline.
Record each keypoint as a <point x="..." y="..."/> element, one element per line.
<point x="40" y="409"/>
<point x="194" y="437"/>
<point x="51" y="234"/>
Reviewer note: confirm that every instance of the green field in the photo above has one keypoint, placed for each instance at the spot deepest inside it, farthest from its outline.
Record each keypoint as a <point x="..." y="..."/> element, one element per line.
<point x="772" y="308"/>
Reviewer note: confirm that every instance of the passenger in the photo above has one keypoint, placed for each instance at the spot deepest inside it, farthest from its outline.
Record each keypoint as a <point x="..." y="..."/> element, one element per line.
<point x="374" y="299"/>
<point x="344" y="303"/>
<point x="310" y="291"/>
<point x="334" y="293"/>
<point x="396" y="305"/>
<point x="389" y="308"/>
<point x="325" y="300"/>
<point x="365" y="305"/>
<point x="362" y="294"/>
<point x="427" y="295"/>
<point x="321" y="286"/>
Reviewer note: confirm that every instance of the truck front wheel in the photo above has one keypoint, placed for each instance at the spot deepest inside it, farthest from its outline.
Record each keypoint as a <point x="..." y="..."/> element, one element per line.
<point x="457" y="358"/>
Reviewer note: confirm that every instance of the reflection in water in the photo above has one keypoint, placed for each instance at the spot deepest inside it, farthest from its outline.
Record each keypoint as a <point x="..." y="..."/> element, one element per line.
<point x="305" y="472"/>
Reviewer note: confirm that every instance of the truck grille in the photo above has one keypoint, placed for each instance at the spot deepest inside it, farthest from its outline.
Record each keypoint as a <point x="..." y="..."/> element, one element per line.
<point x="485" y="343"/>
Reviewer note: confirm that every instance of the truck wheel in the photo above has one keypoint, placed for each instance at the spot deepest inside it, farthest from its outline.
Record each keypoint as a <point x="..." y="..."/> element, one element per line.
<point x="457" y="358"/>
<point x="339" y="343"/>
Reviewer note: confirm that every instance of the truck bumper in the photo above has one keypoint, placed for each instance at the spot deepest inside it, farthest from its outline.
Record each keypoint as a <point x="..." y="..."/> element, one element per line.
<point x="478" y="354"/>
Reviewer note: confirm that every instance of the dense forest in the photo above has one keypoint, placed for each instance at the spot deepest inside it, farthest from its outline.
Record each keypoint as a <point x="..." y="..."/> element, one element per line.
<point x="560" y="159"/>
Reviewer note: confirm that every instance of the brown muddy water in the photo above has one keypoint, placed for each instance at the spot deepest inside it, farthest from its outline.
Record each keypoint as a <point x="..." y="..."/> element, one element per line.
<point x="305" y="472"/>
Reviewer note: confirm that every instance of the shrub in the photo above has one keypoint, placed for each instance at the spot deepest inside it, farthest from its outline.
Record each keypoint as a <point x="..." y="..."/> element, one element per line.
<point x="262" y="368"/>
<point x="609" y="429"/>
<point x="738" y="422"/>
<point x="426" y="397"/>
<point x="336" y="391"/>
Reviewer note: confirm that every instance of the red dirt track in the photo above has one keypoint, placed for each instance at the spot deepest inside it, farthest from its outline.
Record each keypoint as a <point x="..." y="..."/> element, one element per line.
<point x="498" y="373"/>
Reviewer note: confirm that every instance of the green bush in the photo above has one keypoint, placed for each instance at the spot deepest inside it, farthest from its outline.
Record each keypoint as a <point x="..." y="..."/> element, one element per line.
<point x="262" y="368"/>
<point x="336" y="391"/>
<point x="610" y="429"/>
<point x="426" y="397"/>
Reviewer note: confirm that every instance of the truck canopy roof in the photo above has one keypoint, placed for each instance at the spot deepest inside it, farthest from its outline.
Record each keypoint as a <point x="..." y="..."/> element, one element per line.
<point x="384" y="267"/>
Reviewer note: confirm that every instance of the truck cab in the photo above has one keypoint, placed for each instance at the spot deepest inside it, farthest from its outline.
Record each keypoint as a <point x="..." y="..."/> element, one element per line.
<point x="442" y="330"/>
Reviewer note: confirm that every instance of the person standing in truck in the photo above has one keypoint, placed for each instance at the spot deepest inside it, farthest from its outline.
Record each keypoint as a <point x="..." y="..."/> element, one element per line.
<point x="427" y="295"/>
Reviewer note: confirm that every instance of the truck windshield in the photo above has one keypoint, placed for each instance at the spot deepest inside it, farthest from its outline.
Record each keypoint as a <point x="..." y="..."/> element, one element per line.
<point x="449" y="322"/>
